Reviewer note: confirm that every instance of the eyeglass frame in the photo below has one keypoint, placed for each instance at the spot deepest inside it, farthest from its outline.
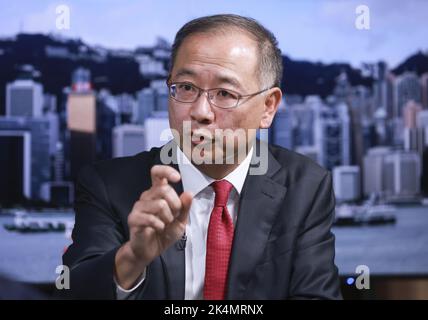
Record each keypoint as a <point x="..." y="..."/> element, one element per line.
<point x="200" y="91"/>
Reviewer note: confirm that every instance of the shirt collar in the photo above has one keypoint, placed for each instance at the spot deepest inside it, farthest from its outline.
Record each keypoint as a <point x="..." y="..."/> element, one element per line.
<point x="195" y="181"/>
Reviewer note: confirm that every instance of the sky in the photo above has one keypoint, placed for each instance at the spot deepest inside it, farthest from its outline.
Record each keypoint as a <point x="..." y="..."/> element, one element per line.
<point x="315" y="30"/>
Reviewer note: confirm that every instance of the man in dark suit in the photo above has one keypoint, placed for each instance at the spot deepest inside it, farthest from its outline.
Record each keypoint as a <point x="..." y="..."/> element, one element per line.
<point x="193" y="221"/>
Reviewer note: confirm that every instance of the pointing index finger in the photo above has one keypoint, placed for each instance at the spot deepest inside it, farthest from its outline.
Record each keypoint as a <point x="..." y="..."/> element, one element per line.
<point x="161" y="174"/>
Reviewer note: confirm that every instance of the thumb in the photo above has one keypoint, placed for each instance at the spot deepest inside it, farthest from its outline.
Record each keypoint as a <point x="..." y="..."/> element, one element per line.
<point x="186" y="201"/>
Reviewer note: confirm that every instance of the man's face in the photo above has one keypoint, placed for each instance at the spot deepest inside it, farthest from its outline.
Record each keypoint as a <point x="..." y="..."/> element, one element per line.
<point x="222" y="60"/>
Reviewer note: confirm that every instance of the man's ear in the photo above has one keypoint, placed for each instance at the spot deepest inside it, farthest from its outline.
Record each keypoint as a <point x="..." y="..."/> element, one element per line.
<point x="271" y="103"/>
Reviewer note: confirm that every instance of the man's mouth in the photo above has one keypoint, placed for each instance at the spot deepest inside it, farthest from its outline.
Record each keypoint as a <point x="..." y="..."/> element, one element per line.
<point x="198" y="138"/>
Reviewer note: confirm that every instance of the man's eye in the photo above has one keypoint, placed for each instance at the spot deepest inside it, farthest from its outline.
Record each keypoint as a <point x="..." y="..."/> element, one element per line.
<point x="186" y="87"/>
<point x="225" y="94"/>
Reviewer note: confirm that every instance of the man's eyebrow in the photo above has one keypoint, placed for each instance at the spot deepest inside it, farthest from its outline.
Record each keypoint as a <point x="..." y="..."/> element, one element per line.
<point x="230" y="80"/>
<point x="185" y="72"/>
<point x="221" y="79"/>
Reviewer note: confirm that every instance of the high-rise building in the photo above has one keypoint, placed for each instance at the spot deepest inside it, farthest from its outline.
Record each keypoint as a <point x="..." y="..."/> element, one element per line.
<point x="49" y="103"/>
<point x="59" y="193"/>
<point x="346" y="183"/>
<point x="406" y="87"/>
<point x="81" y="123"/>
<point x="156" y="130"/>
<point x="422" y="125"/>
<point x="380" y="86"/>
<point x="40" y="160"/>
<point x="402" y="173"/>
<point x="424" y="87"/>
<point x="342" y="89"/>
<point x="162" y="97"/>
<point x="397" y="128"/>
<point x="146" y="104"/>
<point x="410" y="112"/>
<point x="413" y="136"/>
<point x="332" y="136"/>
<point x="15" y="166"/>
<point x="424" y="175"/>
<point x="128" y="140"/>
<point x="302" y="122"/>
<point x="81" y="80"/>
<point x="127" y="106"/>
<point x="373" y="171"/>
<point x="422" y="119"/>
<point x="381" y="128"/>
<point x="390" y="82"/>
<point x="24" y="97"/>
<point x="282" y="128"/>
<point x="361" y="99"/>
<point x="53" y="131"/>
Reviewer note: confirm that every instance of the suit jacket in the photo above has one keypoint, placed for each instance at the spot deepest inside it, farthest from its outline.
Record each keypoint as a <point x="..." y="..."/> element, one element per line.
<point x="282" y="247"/>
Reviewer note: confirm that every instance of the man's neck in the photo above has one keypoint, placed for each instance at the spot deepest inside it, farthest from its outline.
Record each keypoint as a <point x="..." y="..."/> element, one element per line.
<point x="216" y="171"/>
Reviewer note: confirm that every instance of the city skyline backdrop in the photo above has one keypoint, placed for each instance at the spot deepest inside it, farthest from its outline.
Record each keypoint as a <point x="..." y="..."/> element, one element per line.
<point x="65" y="103"/>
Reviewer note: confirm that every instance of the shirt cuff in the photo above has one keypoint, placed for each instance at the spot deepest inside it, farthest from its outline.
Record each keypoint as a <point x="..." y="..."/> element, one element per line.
<point x="123" y="294"/>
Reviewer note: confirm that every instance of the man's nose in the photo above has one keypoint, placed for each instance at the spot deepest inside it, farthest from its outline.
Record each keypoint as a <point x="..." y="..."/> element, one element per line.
<point x="201" y="110"/>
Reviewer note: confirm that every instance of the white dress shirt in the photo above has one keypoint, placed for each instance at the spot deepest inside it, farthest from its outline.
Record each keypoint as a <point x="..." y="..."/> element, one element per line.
<point x="198" y="184"/>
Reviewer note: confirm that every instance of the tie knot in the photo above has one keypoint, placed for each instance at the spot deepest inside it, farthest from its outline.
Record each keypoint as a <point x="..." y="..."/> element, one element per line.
<point x="222" y="190"/>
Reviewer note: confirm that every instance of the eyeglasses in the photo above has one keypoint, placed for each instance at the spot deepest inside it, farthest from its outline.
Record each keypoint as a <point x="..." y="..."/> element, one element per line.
<point x="187" y="92"/>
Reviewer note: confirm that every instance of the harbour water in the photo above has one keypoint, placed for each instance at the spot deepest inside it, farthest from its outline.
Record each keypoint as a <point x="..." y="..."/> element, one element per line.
<point x="32" y="257"/>
<point x="399" y="249"/>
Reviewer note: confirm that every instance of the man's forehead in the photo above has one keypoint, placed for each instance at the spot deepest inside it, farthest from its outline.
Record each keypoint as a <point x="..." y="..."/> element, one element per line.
<point x="235" y="57"/>
<point x="237" y="41"/>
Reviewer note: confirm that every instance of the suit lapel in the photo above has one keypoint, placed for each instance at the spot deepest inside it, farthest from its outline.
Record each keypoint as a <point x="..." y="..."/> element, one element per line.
<point x="259" y="205"/>
<point x="173" y="258"/>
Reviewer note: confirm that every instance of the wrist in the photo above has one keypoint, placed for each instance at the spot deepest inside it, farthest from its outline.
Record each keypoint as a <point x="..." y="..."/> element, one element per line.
<point x="128" y="267"/>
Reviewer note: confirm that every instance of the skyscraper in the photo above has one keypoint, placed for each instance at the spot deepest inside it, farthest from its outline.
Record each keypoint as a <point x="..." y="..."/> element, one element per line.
<point x="108" y="116"/>
<point x="161" y="95"/>
<point x="402" y="176"/>
<point x="302" y="121"/>
<point x="346" y="183"/>
<point x="24" y="97"/>
<point x="146" y="104"/>
<point x="413" y="136"/>
<point x="407" y="87"/>
<point x="40" y="160"/>
<point x="332" y="136"/>
<point x="81" y="122"/>
<point x="373" y="171"/>
<point x="424" y="88"/>
<point x="282" y="128"/>
<point x="156" y="130"/>
<point x="422" y="125"/>
<point x="15" y="166"/>
<point x="127" y="106"/>
<point x="380" y="86"/>
<point x="128" y="140"/>
<point x="410" y="112"/>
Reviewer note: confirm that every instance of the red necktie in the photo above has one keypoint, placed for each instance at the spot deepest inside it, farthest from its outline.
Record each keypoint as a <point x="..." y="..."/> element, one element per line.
<point x="219" y="244"/>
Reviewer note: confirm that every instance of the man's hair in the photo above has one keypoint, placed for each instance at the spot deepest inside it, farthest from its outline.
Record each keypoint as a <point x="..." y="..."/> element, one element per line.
<point x="270" y="59"/>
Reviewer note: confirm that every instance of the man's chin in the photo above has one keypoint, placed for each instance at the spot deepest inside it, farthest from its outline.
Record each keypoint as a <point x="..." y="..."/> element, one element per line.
<point x="207" y="156"/>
